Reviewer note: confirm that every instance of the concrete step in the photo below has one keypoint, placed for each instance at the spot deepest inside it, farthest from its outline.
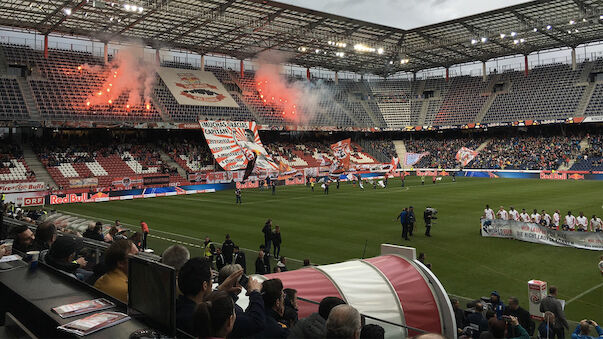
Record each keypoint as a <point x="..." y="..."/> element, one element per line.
<point x="31" y="159"/>
<point x="170" y="162"/>
<point x="400" y="150"/>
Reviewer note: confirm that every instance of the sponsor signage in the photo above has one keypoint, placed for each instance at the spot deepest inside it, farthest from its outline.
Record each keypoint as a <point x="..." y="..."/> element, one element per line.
<point x="22" y="187"/>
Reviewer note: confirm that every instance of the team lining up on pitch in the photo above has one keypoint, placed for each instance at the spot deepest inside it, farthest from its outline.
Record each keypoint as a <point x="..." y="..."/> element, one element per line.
<point x="569" y="223"/>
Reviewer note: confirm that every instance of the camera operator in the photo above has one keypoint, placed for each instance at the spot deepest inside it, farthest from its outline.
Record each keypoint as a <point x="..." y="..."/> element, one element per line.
<point x="429" y="214"/>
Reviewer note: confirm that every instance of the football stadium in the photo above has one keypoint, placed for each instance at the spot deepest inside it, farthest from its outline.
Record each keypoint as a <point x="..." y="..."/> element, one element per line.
<point x="264" y="169"/>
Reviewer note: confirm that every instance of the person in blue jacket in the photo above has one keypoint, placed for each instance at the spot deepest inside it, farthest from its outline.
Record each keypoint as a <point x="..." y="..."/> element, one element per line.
<point x="583" y="330"/>
<point x="497" y="305"/>
<point x="403" y="216"/>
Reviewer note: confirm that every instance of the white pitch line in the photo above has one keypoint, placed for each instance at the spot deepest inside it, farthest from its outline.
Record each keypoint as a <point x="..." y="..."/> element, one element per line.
<point x="583" y="294"/>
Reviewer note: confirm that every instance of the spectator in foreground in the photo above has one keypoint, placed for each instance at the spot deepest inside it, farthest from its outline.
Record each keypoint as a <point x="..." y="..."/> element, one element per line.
<point x="215" y="317"/>
<point x="290" y="314"/>
<point x="252" y="320"/>
<point x="550" y="303"/>
<point x="372" y="331"/>
<point x="61" y="256"/>
<point x="194" y="281"/>
<point x="477" y="321"/>
<point x="522" y="316"/>
<point x="24" y="238"/>
<point x="343" y="323"/>
<point x="546" y="327"/>
<point x="175" y="256"/>
<point x="496" y="329"/>
<point x="94" y="232"/>
<point x="45" y="236"/>
<point x="115" y="281"/>
<point x="583" y="330"/>
<point x="274" y="306"/>
<point x="314" y="326"/>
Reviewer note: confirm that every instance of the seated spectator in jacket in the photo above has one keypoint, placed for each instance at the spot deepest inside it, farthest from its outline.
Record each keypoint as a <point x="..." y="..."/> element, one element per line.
<point x="477" y="321"/>
<point x="23" y="238"/>
<point x="343" y="323"/>
<point x="110" y="236"/>
<point x="175" y="256"/>
<point x="372" y="331"/>
<point x="459" y="315"/>
<point x="290" y="314"/>
<point x="194" y="281"/>
<point x="546" y="329"/>
<point x="522" y="316"/>
<point x="214" y="317"/>
<point x="315" y="325"/>
<point x="61" y="256"/>
<point x="274" y="306"/>
<point x="95" y="232"/>
<point x="252" y="320"/>
<point x="115" y="281"/>
<point x="583" y="330"/>
<point x="282" y="264"/>
<point x="46" y="234"/>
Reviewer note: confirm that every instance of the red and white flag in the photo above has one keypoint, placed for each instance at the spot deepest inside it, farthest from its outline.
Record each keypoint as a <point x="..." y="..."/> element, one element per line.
<point x="341" y="152"/>
<point x="465" y="155"/>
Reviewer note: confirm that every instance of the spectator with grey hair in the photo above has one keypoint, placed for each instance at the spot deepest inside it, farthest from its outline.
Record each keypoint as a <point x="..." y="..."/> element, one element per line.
<point x="252" y="320"/>
<point x="314" y="326"/>
<point x="175" y="256"/>
<point x="343" y="323"/>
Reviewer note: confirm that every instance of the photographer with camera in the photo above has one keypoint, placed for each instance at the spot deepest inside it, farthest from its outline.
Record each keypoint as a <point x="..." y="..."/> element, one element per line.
<point x="583" y="330"/>
<point x="428" y="216"/>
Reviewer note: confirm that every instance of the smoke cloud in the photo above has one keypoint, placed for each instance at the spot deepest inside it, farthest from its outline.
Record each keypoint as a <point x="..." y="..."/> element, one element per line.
<point x="129" y="74"/>
<point x="298" y="102"/>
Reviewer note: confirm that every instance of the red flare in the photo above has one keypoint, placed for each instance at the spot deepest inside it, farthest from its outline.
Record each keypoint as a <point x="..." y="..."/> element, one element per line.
<point x="110" y="101"/>
<point x="88" y="103"/>
<point x="148" y="106"/>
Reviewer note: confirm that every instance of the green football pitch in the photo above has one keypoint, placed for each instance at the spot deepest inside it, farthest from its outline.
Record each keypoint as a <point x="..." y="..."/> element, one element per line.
<point x="335" y="227"/>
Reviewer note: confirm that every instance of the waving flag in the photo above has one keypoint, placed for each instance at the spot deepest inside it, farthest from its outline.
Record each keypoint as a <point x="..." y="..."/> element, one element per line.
<point x="341" y="152"/>
<point x="465" y="155"/>
<point x="413" y="158"/>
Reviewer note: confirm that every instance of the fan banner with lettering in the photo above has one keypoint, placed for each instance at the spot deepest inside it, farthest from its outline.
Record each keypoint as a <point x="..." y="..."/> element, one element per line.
<point x="341" y="152"/>
<point x="235" y="144"/>
<point x="413" y="158"/>
<point x="465" y="155"/>
<point x="196" y="88"/>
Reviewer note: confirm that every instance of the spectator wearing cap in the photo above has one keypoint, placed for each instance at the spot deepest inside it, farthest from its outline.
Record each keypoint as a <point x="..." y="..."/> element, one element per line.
<point x="23" y="238"/>
<point x="61" y="256"/>
<point x="497" y="304"/>
<point x="115" y="281"/>
<point x="315" y="325"/>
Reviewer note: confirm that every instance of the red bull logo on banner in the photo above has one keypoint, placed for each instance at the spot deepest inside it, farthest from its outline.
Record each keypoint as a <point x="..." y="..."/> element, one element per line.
<point x="68" y="199"/>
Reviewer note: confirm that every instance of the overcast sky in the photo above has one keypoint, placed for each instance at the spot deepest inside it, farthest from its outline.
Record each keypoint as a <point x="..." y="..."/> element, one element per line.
<point x="404" y="14"/>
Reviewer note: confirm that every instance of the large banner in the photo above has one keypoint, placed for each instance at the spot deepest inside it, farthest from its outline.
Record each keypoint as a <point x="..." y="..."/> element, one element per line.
<point x="341" y="152"/>
<point x="535" y="233"/>
<point x="235" y="143"/>
<point x="83" y="182"/>
<point x="197" y="88"/>
<point x="22" y="187"/>
<point x="413" y="158"/>
<point x="465" y="155"/>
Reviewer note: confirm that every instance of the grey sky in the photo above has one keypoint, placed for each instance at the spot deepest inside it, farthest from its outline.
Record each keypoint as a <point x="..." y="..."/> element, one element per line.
<point x="404" y="14"/>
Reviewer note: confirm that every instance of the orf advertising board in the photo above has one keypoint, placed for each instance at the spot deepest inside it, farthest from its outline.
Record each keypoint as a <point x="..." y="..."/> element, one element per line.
<point x="536" y="292"/>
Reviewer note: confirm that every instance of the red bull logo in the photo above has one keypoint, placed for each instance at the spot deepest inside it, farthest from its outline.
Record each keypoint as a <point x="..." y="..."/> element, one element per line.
<point x="68" y="199"/>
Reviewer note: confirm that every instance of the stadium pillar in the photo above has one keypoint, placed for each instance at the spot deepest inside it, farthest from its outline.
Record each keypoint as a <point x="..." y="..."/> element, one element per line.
<point x="447" y="74"/>
<point x="414" y="76"/>
<point x="157" y="57"/>
<point x="573" y="58"/>
<point x="308" y="73"/>
<point x="525" y="61"/>
<point x="336" y="78"/>
<point x="484" y="73"/>
<point x="46" y="47"/>
<point x="203" y="62"/>
<point x="242" y="69"/>
<point x="106" y="53"/>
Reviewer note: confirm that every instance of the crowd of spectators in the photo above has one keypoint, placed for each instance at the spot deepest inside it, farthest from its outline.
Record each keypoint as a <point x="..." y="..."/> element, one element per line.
<point x="442" y="152"/>
<point x="385" y="148"/>
<point x="527" y="153"/>
<point x="9" y="151"/>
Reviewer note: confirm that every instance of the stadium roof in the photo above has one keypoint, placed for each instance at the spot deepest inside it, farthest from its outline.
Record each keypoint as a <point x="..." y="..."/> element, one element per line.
<point x="244" y="28"/>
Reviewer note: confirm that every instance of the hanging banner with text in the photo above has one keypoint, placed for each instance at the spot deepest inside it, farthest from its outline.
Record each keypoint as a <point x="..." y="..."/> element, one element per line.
<point x="535" y="233"/>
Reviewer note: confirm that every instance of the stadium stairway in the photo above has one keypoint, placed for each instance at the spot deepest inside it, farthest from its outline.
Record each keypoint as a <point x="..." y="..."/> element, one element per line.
<point x="483" y="145"/>
<point x="585" y="100"/>
<point x="163" y="112"/>
<point x="423" y="112"/>
<point x="400" y="150"/>
<point x="31" y="159"/>
<point x="28" y="98"/>
<point x="170" y="162"/>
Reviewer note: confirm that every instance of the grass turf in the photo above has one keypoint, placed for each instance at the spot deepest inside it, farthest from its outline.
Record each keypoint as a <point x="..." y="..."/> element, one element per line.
<point x="334" y="228"/>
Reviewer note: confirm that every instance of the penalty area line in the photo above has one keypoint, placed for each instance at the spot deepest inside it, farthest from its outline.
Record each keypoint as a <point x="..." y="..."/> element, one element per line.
<point x="583" y="294"/>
